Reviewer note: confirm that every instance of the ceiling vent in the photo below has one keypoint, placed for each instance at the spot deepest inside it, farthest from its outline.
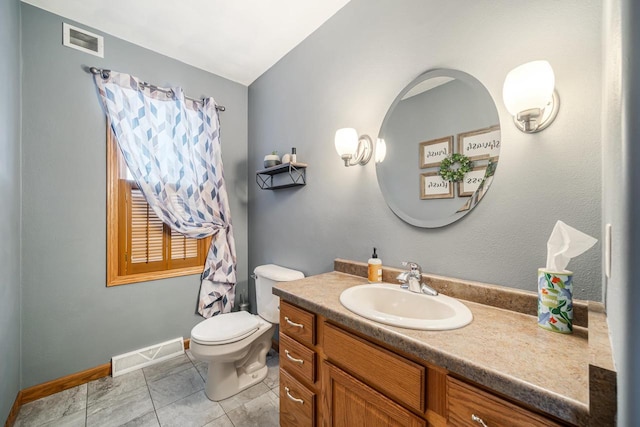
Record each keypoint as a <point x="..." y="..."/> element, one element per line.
<point x="78" y="38"/>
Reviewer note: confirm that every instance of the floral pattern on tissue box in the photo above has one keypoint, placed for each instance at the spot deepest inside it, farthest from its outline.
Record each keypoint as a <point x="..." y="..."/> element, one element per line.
<point x="555" y="301"/>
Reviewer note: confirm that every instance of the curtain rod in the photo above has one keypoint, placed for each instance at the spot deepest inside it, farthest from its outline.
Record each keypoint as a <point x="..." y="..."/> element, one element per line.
<point x="105" y="75"/>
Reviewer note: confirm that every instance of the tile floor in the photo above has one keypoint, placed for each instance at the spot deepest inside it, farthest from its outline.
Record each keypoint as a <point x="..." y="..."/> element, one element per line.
<point x="170" y="393"/>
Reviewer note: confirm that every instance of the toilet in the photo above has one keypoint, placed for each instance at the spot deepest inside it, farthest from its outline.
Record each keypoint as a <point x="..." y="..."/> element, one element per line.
<point x="235" y="345"/>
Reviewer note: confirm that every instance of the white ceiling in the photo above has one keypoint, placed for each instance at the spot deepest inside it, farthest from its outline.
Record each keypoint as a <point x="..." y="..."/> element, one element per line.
<point x="235" y="39"/>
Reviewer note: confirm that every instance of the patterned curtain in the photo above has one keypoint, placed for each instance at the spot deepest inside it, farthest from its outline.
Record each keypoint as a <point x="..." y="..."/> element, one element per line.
<point x="172" y="148"/>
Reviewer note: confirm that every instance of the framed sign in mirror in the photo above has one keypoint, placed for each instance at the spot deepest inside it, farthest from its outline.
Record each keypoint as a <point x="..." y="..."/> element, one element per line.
<point x="481" y="143"/>
<point x="442" y="112"/>
<point x="432" y="186"/>
<point x="471" y="181"/>
<point x="433" y="152"/>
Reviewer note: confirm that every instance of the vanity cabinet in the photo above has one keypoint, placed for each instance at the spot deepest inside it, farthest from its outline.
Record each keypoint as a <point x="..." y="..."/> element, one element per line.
<point x="298" y="385"/>
<point x="331" y="376"/>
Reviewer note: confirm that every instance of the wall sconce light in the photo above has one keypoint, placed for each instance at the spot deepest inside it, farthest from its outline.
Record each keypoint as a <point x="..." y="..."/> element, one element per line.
<point x="530" y="96"/>
<point x="353" y="150"/>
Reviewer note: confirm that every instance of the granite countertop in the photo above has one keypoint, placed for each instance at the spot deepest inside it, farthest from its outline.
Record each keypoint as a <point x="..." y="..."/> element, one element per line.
<point x="503" y="350"/>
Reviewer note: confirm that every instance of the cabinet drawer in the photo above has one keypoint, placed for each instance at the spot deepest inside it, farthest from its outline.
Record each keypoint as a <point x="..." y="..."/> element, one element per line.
<point x="395" y="376"/>
<point x="297" y="403"/>
<point x="296" y="358"/>
<point x="298" y="323"/>
<point x="466" y="403"/>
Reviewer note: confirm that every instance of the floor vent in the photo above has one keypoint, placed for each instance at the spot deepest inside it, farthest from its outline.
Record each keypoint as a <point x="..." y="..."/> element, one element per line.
<point x="146" y="356"/>
<point x="81" y="39"/>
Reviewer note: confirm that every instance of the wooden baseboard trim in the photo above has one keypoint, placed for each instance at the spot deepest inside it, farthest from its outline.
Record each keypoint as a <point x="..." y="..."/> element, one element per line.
<point x="63" y="383"/>
<point x="13" y="413"/>
<point x="59" y="384"/>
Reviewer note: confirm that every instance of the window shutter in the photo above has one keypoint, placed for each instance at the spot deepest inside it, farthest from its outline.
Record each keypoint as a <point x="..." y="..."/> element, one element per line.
<point x="182" y="247"/>
<point x="147" y="236"/>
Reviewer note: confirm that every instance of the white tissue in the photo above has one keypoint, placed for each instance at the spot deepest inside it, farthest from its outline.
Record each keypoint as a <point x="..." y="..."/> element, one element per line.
<point x="565" y="243"/>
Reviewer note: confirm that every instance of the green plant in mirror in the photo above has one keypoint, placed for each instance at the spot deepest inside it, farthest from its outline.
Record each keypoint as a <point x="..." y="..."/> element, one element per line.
<point x="455" y="175"/>
<point x="491" y="169"/>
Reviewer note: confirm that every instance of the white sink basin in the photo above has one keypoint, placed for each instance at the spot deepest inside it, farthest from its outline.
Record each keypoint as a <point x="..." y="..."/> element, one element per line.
<point x="391" y="305"/>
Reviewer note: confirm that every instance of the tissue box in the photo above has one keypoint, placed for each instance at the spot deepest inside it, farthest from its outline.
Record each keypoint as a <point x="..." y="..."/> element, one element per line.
<point x="555" y="300"/>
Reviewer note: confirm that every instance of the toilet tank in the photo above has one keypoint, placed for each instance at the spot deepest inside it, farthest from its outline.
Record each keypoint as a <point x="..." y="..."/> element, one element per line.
<point x="266" y="277"/>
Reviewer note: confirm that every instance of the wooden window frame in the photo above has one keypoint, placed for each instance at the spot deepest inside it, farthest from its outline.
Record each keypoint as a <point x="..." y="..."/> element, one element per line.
<point x="115" y="245"/>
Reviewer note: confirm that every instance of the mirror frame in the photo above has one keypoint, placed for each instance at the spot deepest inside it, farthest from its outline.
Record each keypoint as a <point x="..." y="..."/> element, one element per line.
<point x="438" y="72"/>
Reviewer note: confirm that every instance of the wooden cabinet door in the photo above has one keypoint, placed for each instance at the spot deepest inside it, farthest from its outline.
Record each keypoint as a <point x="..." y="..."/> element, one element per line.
<point x="350" y="403"/>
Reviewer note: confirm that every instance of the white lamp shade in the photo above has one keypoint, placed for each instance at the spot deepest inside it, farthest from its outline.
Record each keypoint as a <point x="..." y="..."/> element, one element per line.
<point x="346" y="141"/>
<point x="528" y="86"/>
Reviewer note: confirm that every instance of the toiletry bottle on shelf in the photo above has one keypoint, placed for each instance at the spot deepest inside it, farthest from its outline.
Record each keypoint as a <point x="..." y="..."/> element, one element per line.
<point x="375" y="268"/>
<point x="294" y="157"/>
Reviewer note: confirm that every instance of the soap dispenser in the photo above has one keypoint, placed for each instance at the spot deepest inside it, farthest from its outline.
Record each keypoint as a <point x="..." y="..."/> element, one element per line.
<point x="375" y="268"/>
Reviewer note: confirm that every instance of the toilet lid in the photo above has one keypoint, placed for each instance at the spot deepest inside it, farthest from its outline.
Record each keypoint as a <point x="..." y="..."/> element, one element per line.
<point x="225" y="327"/>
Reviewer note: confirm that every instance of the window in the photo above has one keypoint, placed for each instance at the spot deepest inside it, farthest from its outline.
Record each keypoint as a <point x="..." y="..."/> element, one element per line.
<point x="139" y="246"/>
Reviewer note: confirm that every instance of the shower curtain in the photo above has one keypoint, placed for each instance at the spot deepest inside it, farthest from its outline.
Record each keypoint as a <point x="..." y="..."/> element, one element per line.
<point x="171" y="146"/>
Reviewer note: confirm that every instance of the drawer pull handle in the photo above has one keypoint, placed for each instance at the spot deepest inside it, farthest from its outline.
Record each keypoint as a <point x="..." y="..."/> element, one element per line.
<point x="295" y="399"/>
<point x="478" y="420"/>
<point x="297" y="325"/>
<point x="293" y="359"/>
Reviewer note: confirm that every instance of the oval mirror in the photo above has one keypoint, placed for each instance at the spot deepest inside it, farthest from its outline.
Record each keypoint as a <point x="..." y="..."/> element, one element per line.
<point x="444" y="120"/>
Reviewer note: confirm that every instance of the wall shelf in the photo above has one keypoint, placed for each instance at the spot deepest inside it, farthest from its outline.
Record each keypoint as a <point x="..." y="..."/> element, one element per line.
<point x="297" y="176"/>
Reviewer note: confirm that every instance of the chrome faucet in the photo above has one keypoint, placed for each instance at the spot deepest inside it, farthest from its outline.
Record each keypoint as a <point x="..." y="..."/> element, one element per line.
<point x="412" y="279"/>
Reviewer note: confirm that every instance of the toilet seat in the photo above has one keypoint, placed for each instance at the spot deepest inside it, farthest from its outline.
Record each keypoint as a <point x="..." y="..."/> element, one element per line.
<point x="226" y="328"/>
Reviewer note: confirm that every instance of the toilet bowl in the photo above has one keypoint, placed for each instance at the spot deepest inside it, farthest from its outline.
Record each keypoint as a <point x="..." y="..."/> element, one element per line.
<point x="235" y="345"/>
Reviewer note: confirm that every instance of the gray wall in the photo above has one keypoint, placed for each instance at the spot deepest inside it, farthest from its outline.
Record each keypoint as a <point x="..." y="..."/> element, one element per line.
<point x="71" y="321"/>
<point x="10" y="206"/>
<point x="350" y="70"/>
